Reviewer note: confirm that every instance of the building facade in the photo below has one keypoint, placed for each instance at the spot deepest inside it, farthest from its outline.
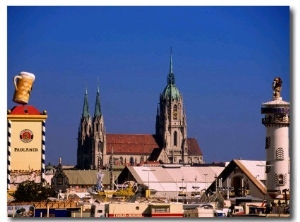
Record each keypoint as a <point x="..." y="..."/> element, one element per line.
<point x="169" y="144"/>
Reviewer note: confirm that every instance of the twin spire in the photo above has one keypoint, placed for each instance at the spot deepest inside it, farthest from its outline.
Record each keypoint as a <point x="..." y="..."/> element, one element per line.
<point x="85" y="112"/>
<point x="97" y="112"/>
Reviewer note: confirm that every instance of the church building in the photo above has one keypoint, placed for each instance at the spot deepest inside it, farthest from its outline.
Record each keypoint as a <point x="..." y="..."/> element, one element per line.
<point x="97" y="149"/>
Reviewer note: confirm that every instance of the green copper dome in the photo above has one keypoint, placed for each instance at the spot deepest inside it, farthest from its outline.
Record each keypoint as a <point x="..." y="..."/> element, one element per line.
<point x="171" y="90"/>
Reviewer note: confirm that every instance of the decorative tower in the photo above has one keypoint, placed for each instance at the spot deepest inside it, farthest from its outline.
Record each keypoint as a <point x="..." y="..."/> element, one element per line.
<point x="26" y="135"/>
<point x="277" y="121"/>
<point x="84" y="151"/>
<point x="171" y="121"/>
<point x="99" y="135"/>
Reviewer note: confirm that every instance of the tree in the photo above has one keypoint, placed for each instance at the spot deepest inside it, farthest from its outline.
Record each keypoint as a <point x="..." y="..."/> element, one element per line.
<point x="28" y="191"/>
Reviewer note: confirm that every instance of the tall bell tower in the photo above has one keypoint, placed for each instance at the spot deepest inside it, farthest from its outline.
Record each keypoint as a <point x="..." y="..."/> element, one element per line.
<point x="277" y="121"/>
<point x="171" y="121"/>
<point x="85" y="139"/>
<point x="99" y="135"/>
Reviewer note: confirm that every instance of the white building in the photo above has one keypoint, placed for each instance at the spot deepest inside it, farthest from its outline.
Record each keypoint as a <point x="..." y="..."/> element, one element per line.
<point x="277" y="121"/>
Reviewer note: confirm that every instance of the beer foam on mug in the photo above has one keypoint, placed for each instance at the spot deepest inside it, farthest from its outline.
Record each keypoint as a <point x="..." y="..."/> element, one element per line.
<point x="28" y="73"/>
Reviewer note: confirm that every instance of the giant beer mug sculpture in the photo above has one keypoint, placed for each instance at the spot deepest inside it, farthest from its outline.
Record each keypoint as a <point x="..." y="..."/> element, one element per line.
<point x="23" y="86"/>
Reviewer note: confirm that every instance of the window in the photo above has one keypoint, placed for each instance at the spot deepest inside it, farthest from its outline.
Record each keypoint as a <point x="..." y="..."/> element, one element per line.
<point x="97" y="127"/>
<point x="161" y="210"/>
<point x="175" y="138"/>
<point x="280" y="179"/>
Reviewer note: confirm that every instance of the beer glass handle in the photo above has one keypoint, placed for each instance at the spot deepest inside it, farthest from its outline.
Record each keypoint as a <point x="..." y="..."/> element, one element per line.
<point x="16" y="77"/>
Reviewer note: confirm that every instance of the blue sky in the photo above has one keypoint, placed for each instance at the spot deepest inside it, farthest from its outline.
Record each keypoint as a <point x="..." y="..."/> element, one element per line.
<point x="224" y="60"/>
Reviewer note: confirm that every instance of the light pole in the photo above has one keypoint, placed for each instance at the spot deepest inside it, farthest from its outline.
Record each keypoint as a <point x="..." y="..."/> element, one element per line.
<point x="148" y="181"/>
<point x="216" y="181"/>
<point x="205" y="180"/>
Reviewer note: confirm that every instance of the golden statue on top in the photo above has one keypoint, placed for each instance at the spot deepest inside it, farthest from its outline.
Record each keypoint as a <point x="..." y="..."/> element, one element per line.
<point x="276" y="86"/>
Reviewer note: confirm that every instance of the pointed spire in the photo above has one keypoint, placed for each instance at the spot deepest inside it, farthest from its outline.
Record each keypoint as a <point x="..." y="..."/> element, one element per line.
<point x="171" y="78"/>
<point x="97" y="112"/>
<point x="85" y="112"/>
<point x="171" y="63"/>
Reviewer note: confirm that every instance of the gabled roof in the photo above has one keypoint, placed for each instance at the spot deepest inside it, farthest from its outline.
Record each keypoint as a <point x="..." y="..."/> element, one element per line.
<point x="143" y="144"/>
<point x="134" y="144"/>
<point x="248" y="167"/>
<point x="193" y="147"/>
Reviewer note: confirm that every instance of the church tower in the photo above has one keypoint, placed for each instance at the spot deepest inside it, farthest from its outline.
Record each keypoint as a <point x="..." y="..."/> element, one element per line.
<point x="171" y="121"/>
<point x="99" y="135"/>
<point x="85" y="138"/>
<point x="277" y="121"/>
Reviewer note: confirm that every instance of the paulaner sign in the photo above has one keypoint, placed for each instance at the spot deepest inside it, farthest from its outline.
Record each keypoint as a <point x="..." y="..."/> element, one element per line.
<point x="26" y="149"/>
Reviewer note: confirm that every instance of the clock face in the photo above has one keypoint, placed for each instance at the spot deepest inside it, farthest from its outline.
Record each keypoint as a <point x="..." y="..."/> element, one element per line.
<point x="174" y="115"/>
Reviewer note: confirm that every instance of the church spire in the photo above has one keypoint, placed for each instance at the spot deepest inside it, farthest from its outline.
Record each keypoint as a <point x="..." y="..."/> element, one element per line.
<point x="171" y="62"/>
<point x="171" y="78"/>
<point x="85" y="112"/>
<point x="97" y="104"/>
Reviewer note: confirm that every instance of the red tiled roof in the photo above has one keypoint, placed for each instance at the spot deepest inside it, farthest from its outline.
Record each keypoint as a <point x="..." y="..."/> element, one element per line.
<point x="24" y="110"/>
<point x="131" y="143"/>
<point x="138" y="144"/>
<point x="193" y="147"/>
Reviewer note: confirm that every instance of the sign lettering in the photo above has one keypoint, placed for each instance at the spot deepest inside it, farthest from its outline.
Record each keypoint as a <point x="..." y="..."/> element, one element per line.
<point x="26" y="149"/>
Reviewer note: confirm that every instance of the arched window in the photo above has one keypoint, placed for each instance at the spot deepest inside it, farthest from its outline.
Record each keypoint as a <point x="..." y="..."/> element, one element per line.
<point x="175" y="138"/>
<point x="97" y="127"/>
<point x="131" y="161"/>
<point x="280" y="179"/>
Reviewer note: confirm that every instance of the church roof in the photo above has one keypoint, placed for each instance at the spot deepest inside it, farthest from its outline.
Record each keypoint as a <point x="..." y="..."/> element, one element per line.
<point x="136" y="144"/>
<point x="193" y="147"/>
<point x="131" y="143"/>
